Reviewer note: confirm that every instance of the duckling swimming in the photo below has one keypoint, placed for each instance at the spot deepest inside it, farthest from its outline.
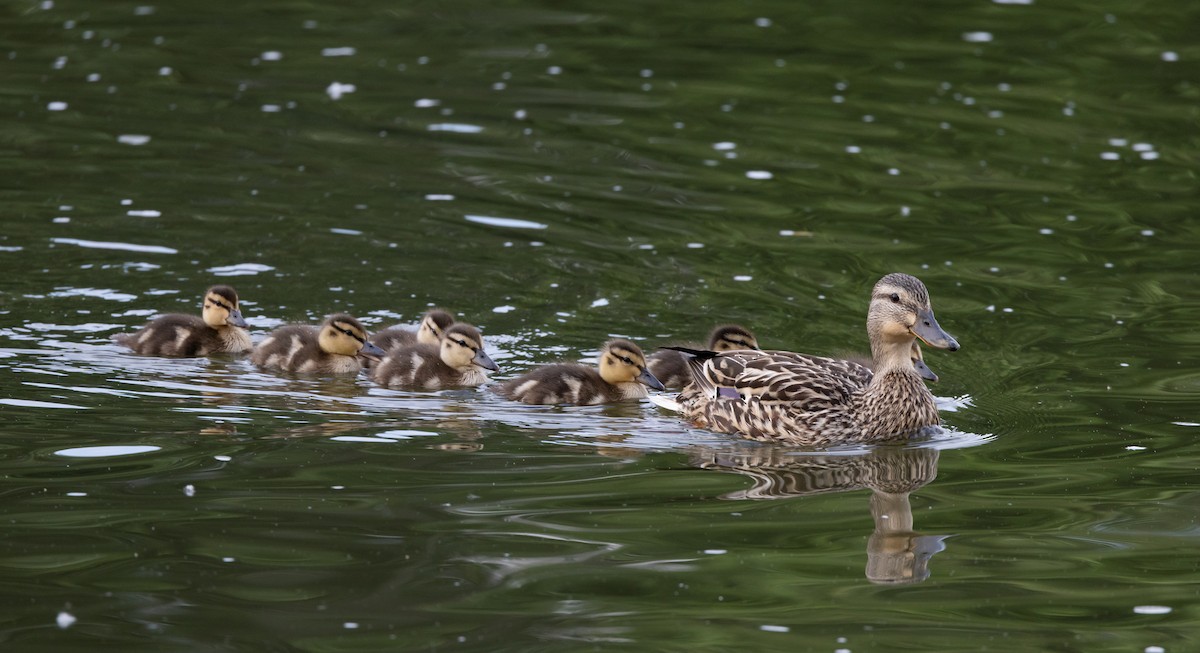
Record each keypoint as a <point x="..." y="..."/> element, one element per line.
<point x="622" y="374"/>
<point x="333" y="348"/>
<point x="219" y="328"/>
<point x="428" y="332"/>
<point x="458" y="361"/>
<point x="812" y="401"/>
<point x="671" y="367"/>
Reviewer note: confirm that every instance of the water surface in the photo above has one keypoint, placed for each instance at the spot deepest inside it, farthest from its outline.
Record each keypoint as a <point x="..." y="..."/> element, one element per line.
<point x="560" y="174"/>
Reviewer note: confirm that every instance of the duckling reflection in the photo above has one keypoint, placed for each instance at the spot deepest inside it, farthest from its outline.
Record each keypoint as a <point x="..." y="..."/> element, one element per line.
<point x="896" y="553"/>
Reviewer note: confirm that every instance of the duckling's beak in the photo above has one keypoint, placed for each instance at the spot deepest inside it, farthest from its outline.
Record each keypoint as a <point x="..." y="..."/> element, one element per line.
<point x="924" y="370"/>
<point x="931" y="333"/>
<point x="235" y="319"/>
<point x="647" y="379"/>
<point x="371" y="351"/>
<point x="483" y="360"/>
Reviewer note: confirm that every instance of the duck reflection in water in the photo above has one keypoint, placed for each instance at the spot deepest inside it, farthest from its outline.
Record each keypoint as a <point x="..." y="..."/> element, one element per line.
<point x="896" y="553"/>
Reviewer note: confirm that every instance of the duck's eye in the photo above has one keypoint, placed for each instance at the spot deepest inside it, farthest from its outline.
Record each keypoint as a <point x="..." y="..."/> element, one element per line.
<point x="460" y="343"/>
<point x="627" y="360"/>
<point x="895" y="298"/>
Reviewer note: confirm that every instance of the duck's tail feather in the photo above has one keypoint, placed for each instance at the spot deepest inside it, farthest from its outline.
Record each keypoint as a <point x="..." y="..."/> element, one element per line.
<point x="700" y="354"/>
<point x="696" y="358"/>
<point x="666" y="403"/>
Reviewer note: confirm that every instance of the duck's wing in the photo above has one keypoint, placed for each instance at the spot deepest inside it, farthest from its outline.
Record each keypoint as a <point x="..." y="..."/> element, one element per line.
<point x="806" y="382"/>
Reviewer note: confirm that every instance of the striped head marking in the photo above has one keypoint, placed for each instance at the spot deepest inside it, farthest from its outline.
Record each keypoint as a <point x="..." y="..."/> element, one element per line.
<point x="462" y="347"/>
<point x="621" y="361"/>
<point x="731" y="337"/>
<point x="343" y="335"/>
<point x="220" y="308"/>
<point x="433" y="326"/>
<point x="899" y="312"/>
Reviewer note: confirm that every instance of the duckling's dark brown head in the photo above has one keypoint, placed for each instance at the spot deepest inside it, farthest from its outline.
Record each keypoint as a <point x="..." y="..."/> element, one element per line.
<point x="731" y="337"/>
<point x="433" y="326"/>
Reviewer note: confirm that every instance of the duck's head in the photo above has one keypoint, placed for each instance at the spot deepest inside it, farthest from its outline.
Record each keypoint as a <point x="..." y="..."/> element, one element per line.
<point x="433" y="326"/>
<point x="221" y="308"/>
<point x="621" y="361"/>
<point x="462" y="347"/>
<point x="899" y="313"/>
<point x="918" y="362"/>
<point x="731" y="337"/>
<point x="343" y="335"/>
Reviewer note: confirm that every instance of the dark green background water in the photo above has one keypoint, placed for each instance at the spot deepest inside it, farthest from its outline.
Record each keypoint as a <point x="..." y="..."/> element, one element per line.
<point x="556" y="173"/>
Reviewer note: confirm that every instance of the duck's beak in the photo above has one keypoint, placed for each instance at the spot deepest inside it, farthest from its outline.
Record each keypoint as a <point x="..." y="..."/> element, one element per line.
<point x="931" y="333"/>
<point x="924" y="370"/>
<point x="647" y="379"/>
<point x="371" y="351"/>
<point x="483" y="360"/>
<point x="235" y="319"/>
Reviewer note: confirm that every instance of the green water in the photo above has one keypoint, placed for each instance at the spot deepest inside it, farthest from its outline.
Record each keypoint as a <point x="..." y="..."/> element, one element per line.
<point x="558" y="173"/>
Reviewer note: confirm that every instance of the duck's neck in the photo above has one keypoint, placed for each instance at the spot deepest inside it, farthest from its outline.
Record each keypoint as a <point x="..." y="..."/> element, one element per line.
<point x="236" y="339"/>
<point x="889" y="355"/>
<point x="632" y="390"/>
<point x="896" y="402"/>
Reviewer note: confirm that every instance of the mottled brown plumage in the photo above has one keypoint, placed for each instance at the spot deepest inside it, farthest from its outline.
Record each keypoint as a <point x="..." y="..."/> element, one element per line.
<point x="335" y="347"/>
<point x="622" y="374"/>
<point x="671" y="367"/>
<point x="219" y="328"/>
<point x="458" y="361"/>
<point x="815" y="401"/>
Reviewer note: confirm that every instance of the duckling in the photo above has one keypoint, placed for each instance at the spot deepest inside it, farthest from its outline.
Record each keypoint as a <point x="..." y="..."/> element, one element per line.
<point x="671" y="367"/>
<point x="458" y="361"/>
<point x="219" y="328"/>
<point x="813" y="401"/>
<point x="333" y="348"/>
<point x="428" y="332"/>
<point x="918" y="361"/>
<point x="622" y="374"/>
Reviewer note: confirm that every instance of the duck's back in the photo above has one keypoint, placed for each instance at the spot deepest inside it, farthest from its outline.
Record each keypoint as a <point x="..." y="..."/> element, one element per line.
<point x="295" y="348"/>
<point x="562" y="383"/>
<point x="178" y="334"/>
<point x="779" y="396"/>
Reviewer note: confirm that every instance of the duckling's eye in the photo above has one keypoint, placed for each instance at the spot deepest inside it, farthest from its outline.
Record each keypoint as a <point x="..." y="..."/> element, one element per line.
<point x="627" y="360"/>
<point x="895" y="298"/>
<point x="460" y="343"/>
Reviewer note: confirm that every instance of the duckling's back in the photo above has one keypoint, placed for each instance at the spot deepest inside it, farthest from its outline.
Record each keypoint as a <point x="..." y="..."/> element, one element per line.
<point x="291" y="348"/>
<point x="421" y="367"/>
<point x="564" y="383"/>
<point x="181" y="335"/>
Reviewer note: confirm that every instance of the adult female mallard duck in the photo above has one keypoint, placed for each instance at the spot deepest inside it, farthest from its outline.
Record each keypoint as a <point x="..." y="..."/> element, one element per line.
<point x="622" y="374"/>
<point x="219" y="328"/>
<point x="458" y="361"/>
<point x="671" y="367"/>
<point x="814" y="401"/>
<point x="428" y="332"/>
<point x="333" y="348"/>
